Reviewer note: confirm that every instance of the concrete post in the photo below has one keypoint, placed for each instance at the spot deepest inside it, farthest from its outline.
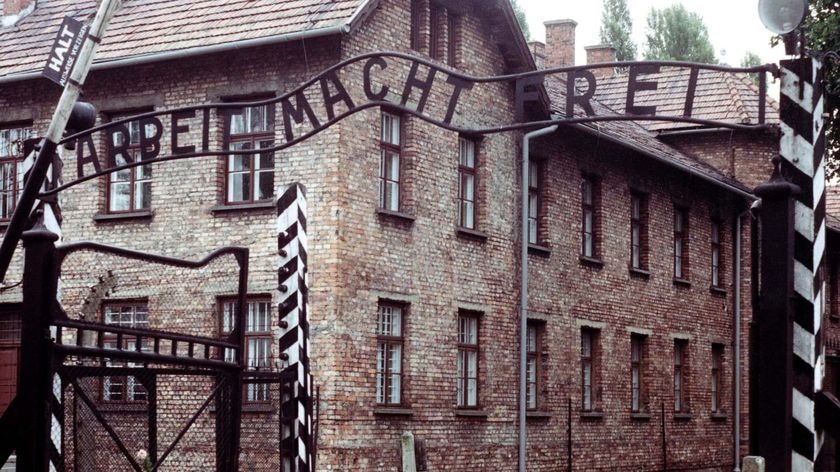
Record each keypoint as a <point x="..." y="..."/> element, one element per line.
<point x="753" y="464"/>
<point x="409" y="464"/>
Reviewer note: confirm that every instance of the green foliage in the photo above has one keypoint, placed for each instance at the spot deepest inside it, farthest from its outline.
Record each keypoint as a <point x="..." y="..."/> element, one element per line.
<point x="520" y="17"/>
<point x="676" y="34"/>
<point x="750" y="59"/>
<point x="616" y="27"/>
<point x="822" y="26"/>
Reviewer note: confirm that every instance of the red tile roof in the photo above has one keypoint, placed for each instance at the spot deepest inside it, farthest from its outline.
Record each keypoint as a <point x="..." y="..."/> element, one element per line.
<point x="720" y="96"/>
<point x="633" y="134"/>
<point x="145" y="27"/>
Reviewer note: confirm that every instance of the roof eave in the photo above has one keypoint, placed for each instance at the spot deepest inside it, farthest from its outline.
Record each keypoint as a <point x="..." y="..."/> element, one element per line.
<point x="342" y="28"/>
<point x="716" y="182"/>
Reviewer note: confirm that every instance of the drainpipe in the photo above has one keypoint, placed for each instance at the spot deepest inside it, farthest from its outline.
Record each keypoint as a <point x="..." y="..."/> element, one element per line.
<point x="737" y="340"/>
<point x="523" y="294"/>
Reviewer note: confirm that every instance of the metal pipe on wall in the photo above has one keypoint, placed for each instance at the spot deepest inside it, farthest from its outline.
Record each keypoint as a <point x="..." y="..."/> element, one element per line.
<point x="523" y="294"/>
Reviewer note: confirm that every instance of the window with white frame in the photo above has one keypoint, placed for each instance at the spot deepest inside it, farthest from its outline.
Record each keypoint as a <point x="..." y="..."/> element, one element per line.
<point x="637" y="368"/>
<point x="250" y="177"/>
<point x="467" y="360"/>
<point x="11" y="155"/>
<point x="533" y="202"/>
<point x="130" y="189"/>
<point x="389" y="162"/>
<point x="716" y="254"/>
<point x="532" y="366"/>
<point x="467" y="183"/>
<point x="680" y="243"/>
<point x="257" y="341"/>
<point x="389" y="354"/>
<point x="124" y="315"/>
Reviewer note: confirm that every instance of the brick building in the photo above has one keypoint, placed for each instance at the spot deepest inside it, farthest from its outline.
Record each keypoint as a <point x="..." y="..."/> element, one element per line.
<point x="414" y="229"/>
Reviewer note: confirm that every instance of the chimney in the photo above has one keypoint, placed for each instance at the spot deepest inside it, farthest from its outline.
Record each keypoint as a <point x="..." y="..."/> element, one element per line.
<point x="600" y="53"/>
<point x="15" y="10"/>
<point x="560" y="43"/>
<point x="538" y="51"/>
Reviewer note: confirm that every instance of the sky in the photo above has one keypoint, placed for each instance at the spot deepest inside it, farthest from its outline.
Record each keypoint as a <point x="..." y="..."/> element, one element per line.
<point x="734" y="26"/>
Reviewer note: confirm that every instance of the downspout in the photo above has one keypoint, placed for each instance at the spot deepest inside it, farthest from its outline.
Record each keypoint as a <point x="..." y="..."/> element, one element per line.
<point x="523" y="294"/>
<point x="736" y="337"/>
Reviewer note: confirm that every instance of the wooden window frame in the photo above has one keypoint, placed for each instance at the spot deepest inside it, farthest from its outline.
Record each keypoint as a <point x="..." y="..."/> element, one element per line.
<point x="135" y="177"/>
<point x="415" y="38"/>
<point x="681" y="376"/>
<point x="453" y="26"/>
<point x="436" y="15"/>
<point x="252" y="139"/>
<point x="681" y="243"/>
<point x="716" y="256"/>
<point x="14" y="160"/>
<point x="534" y="195"/>
<point x="639" y="224"/>
<point x="387" y="341"/>
<point x="127" y="397"/>
<point x="591" y="361"/>
<point x="465" y="170"/>
<point x="589" y="207"/>
<point x="716" y="384"/>
<point x="637" y="365"/>
<point x="464" y="348"/>
<point x="532" y="354"/>
<point x="225" y="329"/>
<point x="384" y="148"/>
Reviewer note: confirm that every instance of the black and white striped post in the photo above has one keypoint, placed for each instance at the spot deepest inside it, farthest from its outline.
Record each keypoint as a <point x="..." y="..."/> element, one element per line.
<point x="294" y="339"/>
<point x="790" y="363"/>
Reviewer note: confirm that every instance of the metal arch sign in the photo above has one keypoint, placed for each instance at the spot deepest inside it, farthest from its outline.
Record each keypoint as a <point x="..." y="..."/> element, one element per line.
<point x="340" y="94"/>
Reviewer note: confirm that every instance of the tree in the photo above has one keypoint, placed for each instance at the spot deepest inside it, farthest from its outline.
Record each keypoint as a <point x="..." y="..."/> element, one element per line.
<point x="676" y="34"/>
<point x="520" y="17"/>
<point x="751" y="59"/>
<point x="616" y="26"/>
<point x="821" y="26"/>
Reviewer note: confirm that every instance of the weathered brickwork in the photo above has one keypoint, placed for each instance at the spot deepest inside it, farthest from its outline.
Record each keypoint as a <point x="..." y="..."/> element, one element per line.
<point x="359" y="257"/>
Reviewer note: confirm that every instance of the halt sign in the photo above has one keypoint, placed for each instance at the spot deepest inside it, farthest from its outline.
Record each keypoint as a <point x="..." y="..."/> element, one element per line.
<point x="65" y="50"/>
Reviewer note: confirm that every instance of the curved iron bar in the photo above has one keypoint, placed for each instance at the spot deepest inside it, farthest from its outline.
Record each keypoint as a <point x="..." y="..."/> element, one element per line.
<point x="404" y="109"/>
<point x="65" y="249"/>
<point x="771" y="68"/>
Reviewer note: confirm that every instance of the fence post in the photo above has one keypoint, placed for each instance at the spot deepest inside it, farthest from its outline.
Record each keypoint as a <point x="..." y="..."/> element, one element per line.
<point x="771" y="417"/>
<point x="35" y="380"/>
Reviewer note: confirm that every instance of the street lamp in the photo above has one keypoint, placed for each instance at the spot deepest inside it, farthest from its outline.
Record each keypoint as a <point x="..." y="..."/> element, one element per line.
<point x="782" y="16"/>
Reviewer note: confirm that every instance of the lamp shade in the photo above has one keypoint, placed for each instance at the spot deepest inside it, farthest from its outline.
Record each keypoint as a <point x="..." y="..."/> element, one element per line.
<point x="782" y="16"/>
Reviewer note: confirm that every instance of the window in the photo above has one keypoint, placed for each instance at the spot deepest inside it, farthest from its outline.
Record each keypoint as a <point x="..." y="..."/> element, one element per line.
<point x="416" y="13"/>
<point x="680" y="375"/>
<point x="467" y="183"/>
<point x="125" y="315"/>
<point x="680" y="243"/>
<point x="717" y="378"/>
<point x="436" y="13"/>
<point x="532" y="368"/>
<point x="716" y="259"/>
<point x="467" y="360"/>
<point x="638" y="231"/>
<point x="452" y="48"/>
<point x="533" y="202"/>
<point x="130" y="189"/>
<point x="257" y="341"/>
<point x="389" y="337"/>
<point x="250" y="177"/>
<point x="11" y="155"/>
<point x="588" y="368"/>
<point x="389" y="163"/>
<point x="637" y="382"/>
<point x="589" y="223"/>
